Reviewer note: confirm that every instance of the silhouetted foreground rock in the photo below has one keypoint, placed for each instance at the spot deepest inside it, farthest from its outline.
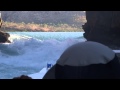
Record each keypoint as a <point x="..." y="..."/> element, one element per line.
<point x="23" y="77"/>
<point x="103" y="27"/>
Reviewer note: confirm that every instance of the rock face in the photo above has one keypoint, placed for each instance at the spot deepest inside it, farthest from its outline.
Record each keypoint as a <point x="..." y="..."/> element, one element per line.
<point x="103" y="27"/>
<point x="3" y="35"/>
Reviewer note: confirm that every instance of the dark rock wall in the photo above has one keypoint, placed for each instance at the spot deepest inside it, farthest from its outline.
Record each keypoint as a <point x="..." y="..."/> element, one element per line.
<point x="103" y="27"/>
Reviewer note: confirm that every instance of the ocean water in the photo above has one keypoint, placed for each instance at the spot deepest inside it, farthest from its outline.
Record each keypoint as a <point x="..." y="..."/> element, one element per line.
<point x="29" y="52"/>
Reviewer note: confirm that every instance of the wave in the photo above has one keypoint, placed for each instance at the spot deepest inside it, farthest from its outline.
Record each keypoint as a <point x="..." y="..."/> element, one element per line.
<point x="32" y="53"/>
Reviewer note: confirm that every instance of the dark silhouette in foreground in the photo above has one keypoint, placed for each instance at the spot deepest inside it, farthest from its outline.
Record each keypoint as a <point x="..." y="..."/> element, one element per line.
<point x="86" y="60"/>
<point x="103" y="27"/>
<point x="22" y="77"/>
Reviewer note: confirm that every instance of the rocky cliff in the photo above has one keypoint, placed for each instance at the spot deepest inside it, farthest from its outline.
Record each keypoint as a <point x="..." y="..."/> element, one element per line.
<point x="3" y="35"/>
<point x="103" y="27"/>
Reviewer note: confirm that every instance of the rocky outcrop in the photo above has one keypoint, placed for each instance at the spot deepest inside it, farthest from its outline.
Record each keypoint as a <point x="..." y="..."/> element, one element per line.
<point x="3" y="35"/>
<point x="103" y="27"/>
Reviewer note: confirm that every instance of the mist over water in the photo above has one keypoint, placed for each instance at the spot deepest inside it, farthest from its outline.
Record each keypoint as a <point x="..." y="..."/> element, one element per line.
<point x="29" y="52"/>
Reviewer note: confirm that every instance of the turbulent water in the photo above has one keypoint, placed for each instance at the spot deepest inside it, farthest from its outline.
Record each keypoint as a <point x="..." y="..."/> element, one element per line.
<point x="29" y="52"/>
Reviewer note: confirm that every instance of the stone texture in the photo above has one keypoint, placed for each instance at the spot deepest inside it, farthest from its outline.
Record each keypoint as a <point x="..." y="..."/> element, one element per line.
<point x="3" y="35"/>
<point x="103" y="27"/>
